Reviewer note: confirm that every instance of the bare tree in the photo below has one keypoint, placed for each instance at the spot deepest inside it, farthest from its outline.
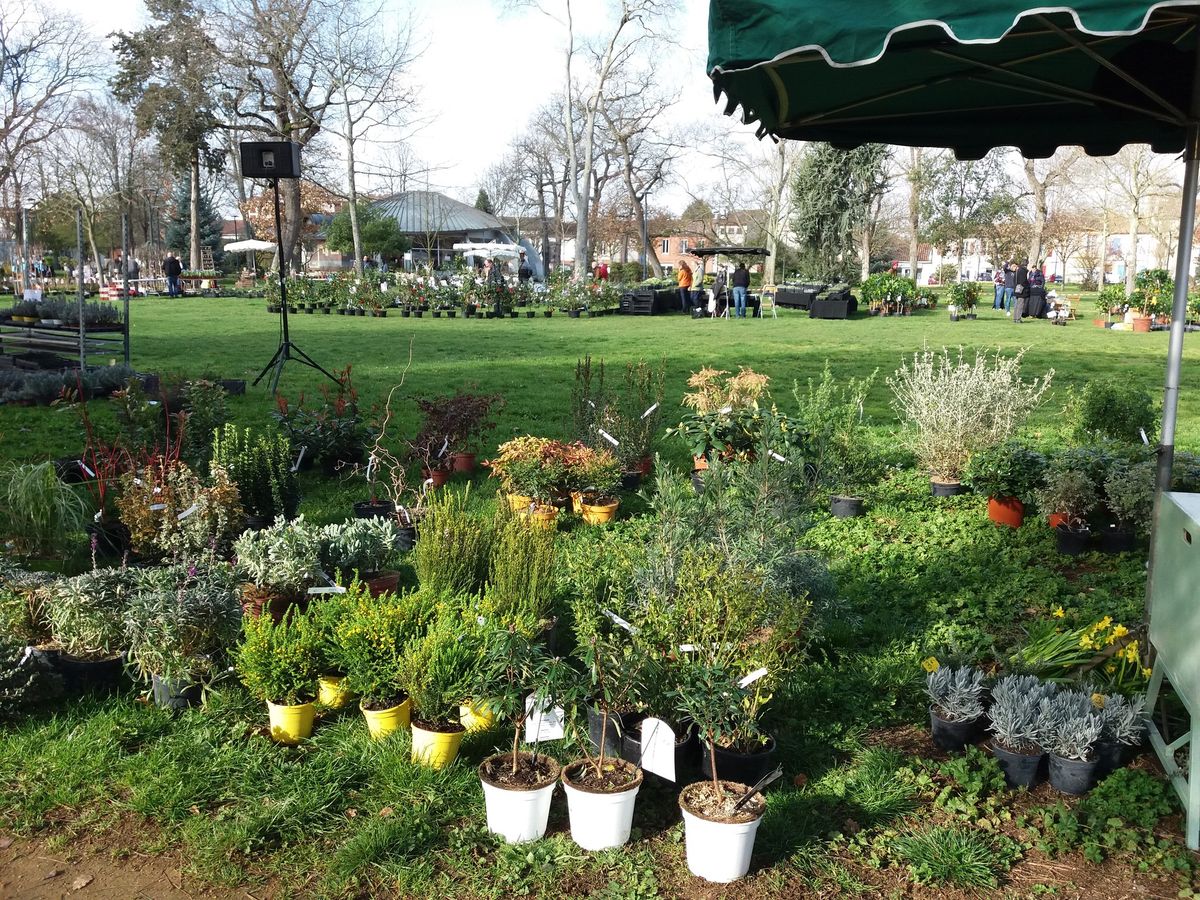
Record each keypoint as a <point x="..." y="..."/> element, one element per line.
<point x="366" y="62"/>
<point x="1137" y="177"/>
<point x="1044" y="177"/>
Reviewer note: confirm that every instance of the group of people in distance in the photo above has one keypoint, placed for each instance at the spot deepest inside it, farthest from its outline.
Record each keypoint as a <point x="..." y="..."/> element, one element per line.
<point x="738" y="279"/>
<point x="1016" y="285"/>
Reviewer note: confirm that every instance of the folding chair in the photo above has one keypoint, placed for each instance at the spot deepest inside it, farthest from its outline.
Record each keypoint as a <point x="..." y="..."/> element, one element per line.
<point x="767" y="293"/>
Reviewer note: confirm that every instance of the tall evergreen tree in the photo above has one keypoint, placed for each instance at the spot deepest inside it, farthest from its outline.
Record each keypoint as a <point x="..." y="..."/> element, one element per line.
<point x="208" y="220"/>
<point x="484" y="202"/>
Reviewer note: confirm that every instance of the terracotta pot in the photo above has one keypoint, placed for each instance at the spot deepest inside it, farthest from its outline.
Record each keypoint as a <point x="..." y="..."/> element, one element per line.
<point x="699" y="463"/>
<point x="438" y="476"/>
<point x="258" y="601"/>
<point x="1099" y="323"/>
<point x="1141" y="323"/>
<point x="1006" y="511"/>
<point x="462" y="462"/>
<point x="1056" y="519"/>
<point x="383" y="583"/>
<point x="646" y="466"/>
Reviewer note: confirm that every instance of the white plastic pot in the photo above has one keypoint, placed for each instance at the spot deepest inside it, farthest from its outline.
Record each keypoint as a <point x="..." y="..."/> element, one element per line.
<point x="517" y="816"/>
<point x="718" y="851"/>
<point x="601" y="821"/>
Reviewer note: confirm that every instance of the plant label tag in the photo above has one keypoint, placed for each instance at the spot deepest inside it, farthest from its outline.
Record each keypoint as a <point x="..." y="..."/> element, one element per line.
<point x="445" y="446"/>
<point x="98" y="516"/>
<point x="187" y="512"/>
<point x="687" y="648"/>
<point x="608" y="437"/>
<point x="591" y="404"/>
<point x="619" y="621"/>
<point x="370" y="466"/>
<point x="658" y="748"/>
<point x="775" y="456"/>
<point x="726" y="410"/>
<point x="152" y="402"/>
<point x="383" y="286"/>
<point x="327" y="590"/>
<point x="752" y="677"/>
<point x="91" y="474"/>
<point x="300" y="459"/>
<point x="650" y="410"/>
<point x="1145" y="440"/>
<point x="544" y="722"/>
<point x="155" y="507"/>
<point x="158" y="490"/>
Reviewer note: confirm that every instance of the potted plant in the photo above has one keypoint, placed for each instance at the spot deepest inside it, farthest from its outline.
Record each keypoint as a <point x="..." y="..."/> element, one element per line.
<point x="262" y="467"/>
<point x="965" y="296"/>
<point x="840" y="445"/>
<point x="180" y="622"/>
<point x="325" y="615"/>
<point x="1111" y="299"/>
<point x="724" y="413"/>
<point x="601" y="789"/>
<point x="387" y="475"/>
<point x="720" y="821"/>
<point x="1123" y="728"/>
<point x="279" y="664"/>
<point x="593" y="476"/>
<point x="953" y="407"/>
<point x="1071" y="729"/>
<point x="362" y="548"/>
<point x="280" y="562"/>
<point x="438" y="671"/>
<point x="332" y="431"/>
<point x="1071" y="495"/>
<point x="457" y="421"/>
<point x="956" y="706"/>
<point x="1018" y="701"/>
<point x="1129" y="496"/>
<point x="518" y="677"/>
<point x="1152" y="294"/>
<point x="372" y="639"/>
<point x="1008" y="475"/>
<point x="41" y="515"/>
<point x="172" y="512"/>
<point x="532" y="471"/>
<point x="87" y="621"/>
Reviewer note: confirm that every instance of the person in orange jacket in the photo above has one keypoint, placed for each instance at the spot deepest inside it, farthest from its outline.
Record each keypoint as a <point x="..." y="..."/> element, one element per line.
<point x="684" y="277"/>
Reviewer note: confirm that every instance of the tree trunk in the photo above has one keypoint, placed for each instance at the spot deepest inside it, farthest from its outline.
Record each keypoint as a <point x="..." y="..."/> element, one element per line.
<point x="1040" y="212"/>
<point x="355" y="233"/>
<point x="194" y="230"/>
<point x="914" y="212"/>
<point x="864" y="252"/>
<point x="1131" y="255"/>
<point x="292" y="224"/>
<point x="1104" y="249"/>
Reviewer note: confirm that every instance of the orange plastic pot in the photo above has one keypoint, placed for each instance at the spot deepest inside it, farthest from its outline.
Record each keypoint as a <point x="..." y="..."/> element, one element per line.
<point x="1056" y="519"/>
<point x="438" y="476"/>
<point x="1141" y="323"/>
<point x="600" y="513"/>
<point x="1006" y="511"/>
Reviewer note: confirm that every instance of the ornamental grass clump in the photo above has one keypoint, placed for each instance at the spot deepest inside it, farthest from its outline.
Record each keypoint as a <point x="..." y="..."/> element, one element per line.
<point x="956" y="693"/>
<point x="953" y="407"/>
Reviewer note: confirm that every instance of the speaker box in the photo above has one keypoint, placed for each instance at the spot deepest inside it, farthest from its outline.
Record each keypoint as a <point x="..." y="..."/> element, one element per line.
<point x="270" y="159"/>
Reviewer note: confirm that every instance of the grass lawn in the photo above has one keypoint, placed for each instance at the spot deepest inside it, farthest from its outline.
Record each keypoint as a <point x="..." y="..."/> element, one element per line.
<point x="867" y="806"/>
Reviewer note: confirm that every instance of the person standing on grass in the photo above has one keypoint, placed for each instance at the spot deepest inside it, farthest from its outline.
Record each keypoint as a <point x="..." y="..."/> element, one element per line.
<point x="741" y="284"/>
<point x="684" y="277"/>
<point x="1010" y="284"/>
<point x="998" y="281"/>
<point x="172" y="268"/>
<point x="1020" y="291"/>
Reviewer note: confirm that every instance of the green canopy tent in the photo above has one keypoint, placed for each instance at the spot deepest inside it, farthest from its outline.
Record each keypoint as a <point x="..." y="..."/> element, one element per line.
<point x="993" y="73"/>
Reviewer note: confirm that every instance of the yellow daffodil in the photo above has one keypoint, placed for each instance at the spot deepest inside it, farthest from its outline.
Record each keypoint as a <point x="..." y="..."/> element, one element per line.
<point x="1098" y="700"/>
<point x="930" y="664"/>
<point x="1110" y="668"/>
<point x="1058" y="613"/>
<point x="1120" y="631"/>
<point x="1104" y="623"/>
<point x="1145" y="673"/>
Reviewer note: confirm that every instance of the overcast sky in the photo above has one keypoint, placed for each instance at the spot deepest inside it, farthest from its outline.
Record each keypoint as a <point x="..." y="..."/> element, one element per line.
<point x="487" y="67"/>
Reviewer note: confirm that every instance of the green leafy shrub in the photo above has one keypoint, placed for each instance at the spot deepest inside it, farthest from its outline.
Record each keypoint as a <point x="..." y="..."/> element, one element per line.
<point x="520" y="590"/>
<point x="838" y="437"/>
<point x="261" y="467"/>
<point x="40" y="514"/>
<point x="965" y="294"/>
<point x="1153" y="292"/>
<point x="1068" y="492"/>
<point x="206" y="411"/>
<point x="440" y="669"/>
<point x="1111" y="297"/>
<point x="285" y="556"/>
<point x="1112" y="408"/>
<point x="280" y="663"/>
<point x="372" y="638"/>
<point x="359" y="545"/>
<point x="1129" y="494"/>
<point x="1011" y="469"/>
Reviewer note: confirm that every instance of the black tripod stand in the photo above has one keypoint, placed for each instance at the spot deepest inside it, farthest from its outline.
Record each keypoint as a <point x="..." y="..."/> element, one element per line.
<point x="287" y="350"/>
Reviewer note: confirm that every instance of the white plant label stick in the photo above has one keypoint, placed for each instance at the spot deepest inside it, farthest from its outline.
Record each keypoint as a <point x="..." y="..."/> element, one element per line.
<point x="155" y="507"/>
<point x="1145" y="440"/>
<point x="751" y="678"/>
<point x="619" y="621"/>
<point x="91" y="474"/>
<point x="726" y="410"/>
<point x="544" y="722"/>
<point x="775" y="456"/>
<point x="608" y="437"/>
<point x="445" y="444"/>
<point x="187" y="512"/>
<point x="299" y="459"/>
<point x="591" y="404"/>
<point x="687" y="648"/>
<point x="327" y="590"/>
<point x="650" y="410"/>
<point x="370" y="466"/>
<point x="658" y="748"/>
<point x="98" y="516"/>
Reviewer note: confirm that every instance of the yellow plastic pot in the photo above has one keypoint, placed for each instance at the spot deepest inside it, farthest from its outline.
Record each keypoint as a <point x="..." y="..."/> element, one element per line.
<point x="600" y="513"/>
<point x="545" y="517"/>
<point x="576" y="502"/>
<point x="476" y="717"/>
<point x="332" y="692"/>
<point x="382" y="722"/>
<point x="519" y="502"/>
<point x="291" y="724"/>
<point x="436" y="749"/>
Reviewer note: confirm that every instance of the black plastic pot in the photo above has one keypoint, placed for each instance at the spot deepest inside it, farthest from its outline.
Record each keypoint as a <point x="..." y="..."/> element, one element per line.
<point x="99" y="676"/>
<point x="698" y="481"/>
<point x="947" y="488"/>
<point x="512" y="313"/>
<point x="573" y="313"/>
<point x="1021" y="770"/>
<point x="380" y="313"/>
<point x="325" y="310"/>
<point x="631" y="481"/>
<point x="846" y="507"/>
<point x="1115" y="540"/>
<point x="309" y="310"/>
<point x="618" y="726"/>
<point x="437" y="313"/>
<point x="235" y="387"/>
<point x="1072" y="541"/>
<point x="687" y="750"/>
<point x="745" y="768"/>
<point x="547" y="313"/>
<point x="407" y="538"/>
<point x="1072" y="776"/>
<point x="256" y="523"/>
<point x="451" y="313"/>
<point x="175" y="694"/>
<point x="1110" y="756"/>
<point x="953" y="737"/>
<point x="360" y="312"/>
<point x="374" y="509"/>
<point x="405" y="313"/>
<point x="69" y="470"/>
<point x="112" y="538"/>
<point x="529" y="314"/>
<point x="698" y="313"/>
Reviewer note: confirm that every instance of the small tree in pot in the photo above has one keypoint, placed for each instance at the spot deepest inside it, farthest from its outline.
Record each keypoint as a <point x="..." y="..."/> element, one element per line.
<point x="956" y="697"/>
<point x="1008" y="475"/>
<point x="839" y="440"/>
<point x="261" y="467"/>
<point x="1070" y="494"/>
<point x="518" y="678"/>
<point x="279" y="663"/>
<point x="1129" y="496"/>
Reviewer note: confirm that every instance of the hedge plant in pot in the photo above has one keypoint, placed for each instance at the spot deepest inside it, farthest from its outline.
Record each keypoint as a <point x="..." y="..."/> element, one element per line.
<point x="1008" y="475"/>
<point x="1129" y="496"/>
<point x="172" y="512"/>
<point x="956" y="706"/>
<point x="518" y="676"/>
<point x="1071" y="727"/>
<point x="439" y="671"/>
<point x="720" y="822"/>
<point x="362" y="548"/>
<point x="279" y="662"/>
<point x="280" y="562"/>
<point x="1123" y="729"/>
<point x="1017" y="703"/>
<point x="326" y="614"/>
<point x="181" y="623"/>
<point x="601" y="789"/>
<point x="1152" y="295"/>
<point x="372" y="639"/>
<point x="953" y="407"/>
<point x="1071" y="495"/>
<point x="87" y="620"/>
<point x="593" y="476"/>
<point x="261" y="465"/>
<point x="839" y="440"/>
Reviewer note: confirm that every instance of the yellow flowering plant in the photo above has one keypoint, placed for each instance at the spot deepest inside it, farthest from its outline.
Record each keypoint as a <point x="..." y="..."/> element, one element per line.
<point x="1105" y="650"/>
